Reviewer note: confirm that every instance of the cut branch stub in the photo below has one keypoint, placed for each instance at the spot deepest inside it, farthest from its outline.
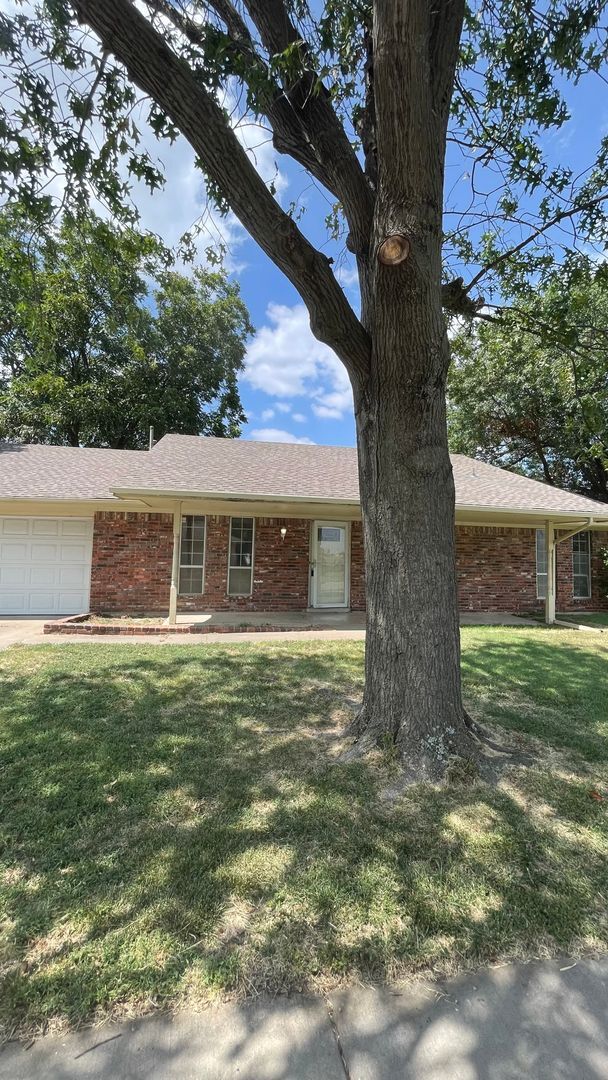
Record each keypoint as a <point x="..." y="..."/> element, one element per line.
<point x="394" y="249"/>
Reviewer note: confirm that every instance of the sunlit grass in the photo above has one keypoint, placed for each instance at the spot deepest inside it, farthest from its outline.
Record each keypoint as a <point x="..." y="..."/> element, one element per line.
<point x="175" y="824"/>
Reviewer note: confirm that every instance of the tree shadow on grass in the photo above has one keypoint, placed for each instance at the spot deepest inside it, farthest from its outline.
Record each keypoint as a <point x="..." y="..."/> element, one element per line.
<point x="175" y="824"/>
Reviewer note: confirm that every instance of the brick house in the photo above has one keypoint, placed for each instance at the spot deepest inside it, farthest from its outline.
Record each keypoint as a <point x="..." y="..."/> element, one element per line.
<point x="201" y="524"/>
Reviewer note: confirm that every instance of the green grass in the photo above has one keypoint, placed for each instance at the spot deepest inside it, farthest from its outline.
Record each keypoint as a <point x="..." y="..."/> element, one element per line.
<point x="596" y="618"/>
<point x="175" y="825"/>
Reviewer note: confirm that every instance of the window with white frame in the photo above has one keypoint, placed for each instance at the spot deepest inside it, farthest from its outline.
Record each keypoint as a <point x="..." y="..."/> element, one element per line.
<point x="192" y="555"/>
<point x="581" y="565"/>
<point x="240" y="558"/>
<point x="541" y="564"/>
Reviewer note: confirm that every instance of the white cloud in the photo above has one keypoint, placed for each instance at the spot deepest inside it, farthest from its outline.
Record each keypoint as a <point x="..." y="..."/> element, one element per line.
<point x="285" y="360"/>
<point x="277" y="435"/>
<point x="298" y="417"/>
<point x="267" y="414"/>
<point x="283" y="407"/>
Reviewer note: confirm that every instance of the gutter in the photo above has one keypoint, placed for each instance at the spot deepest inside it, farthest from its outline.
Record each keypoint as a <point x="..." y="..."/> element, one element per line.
<point x="569" y="516"/>
<point x="228" y="496"/>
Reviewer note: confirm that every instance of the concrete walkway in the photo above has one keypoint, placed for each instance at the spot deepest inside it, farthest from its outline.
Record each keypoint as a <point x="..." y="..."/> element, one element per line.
<point x="347" y="626"/>
<point x="543" y="1021"/>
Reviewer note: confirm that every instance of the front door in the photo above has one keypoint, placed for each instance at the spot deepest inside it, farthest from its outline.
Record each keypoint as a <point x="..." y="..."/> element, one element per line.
<point x="329" y="570"/>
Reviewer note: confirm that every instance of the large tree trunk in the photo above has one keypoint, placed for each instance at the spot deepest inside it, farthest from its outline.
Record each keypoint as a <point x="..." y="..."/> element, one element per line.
<point x="412" y="685"/>
<point x="412" y="661"/>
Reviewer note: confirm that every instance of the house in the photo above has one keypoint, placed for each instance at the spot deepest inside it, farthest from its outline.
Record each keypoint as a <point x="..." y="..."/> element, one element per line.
<point x="205" y="524"/>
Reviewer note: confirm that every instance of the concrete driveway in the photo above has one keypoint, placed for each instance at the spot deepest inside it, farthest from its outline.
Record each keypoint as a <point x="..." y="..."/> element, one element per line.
<point x="17" y="629"/>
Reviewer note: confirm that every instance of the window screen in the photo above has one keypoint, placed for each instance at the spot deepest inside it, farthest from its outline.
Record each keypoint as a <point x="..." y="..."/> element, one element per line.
<point x="581" y="565"/>
<point x="192" y="555"/>
<point x="541" y="564"/>
<point x="240" y="560"/>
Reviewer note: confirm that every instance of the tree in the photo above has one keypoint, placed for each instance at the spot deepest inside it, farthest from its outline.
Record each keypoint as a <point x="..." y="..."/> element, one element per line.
<point x="530" y="391"/>
<point x="366" y="98"/>
<point x="93" y="316"/>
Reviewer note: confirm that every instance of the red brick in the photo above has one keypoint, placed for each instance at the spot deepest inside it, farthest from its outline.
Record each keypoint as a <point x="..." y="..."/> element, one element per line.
<point x="132" y="556"/>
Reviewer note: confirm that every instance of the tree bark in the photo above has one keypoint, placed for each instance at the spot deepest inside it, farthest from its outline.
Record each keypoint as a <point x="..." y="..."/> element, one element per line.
<point x="412" y="666"/>
<point x="412" y="660"/>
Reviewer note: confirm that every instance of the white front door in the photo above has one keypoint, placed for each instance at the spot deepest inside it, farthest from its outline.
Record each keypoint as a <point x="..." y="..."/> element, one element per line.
<point x="45" y="565"/>
<point x="329" y="570"/>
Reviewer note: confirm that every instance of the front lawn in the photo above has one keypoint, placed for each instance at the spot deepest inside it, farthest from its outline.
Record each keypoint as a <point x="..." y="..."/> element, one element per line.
<point x="595" y="618"/>
<point x="174" y="824"/>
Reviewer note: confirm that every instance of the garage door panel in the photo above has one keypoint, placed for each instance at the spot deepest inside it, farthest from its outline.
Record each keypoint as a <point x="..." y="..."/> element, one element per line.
<point x="40" y="576"/>
<point x="76" y="553"/>
<point x="76" y="528"/>
<point x="73" y="577"/>
<point x="45" y="577"/>
<point x="14" y="527"/>
<point x="13" y="603"/>
<point x="13" y="552"/>
<point x="13" y="576"/>
<point x="45" y="527"/>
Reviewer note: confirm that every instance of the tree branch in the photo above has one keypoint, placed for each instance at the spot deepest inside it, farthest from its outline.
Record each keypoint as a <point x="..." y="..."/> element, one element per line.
<point x="321" y="126"/>
<point x="159" y="72"/>
<point x="562" y="216"/>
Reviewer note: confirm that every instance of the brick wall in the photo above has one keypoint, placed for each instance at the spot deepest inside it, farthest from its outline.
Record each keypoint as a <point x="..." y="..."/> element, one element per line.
<point x="357" y="568"/>
<point x="131" y="568"/>
<point x="132" y="554"/>
<point x="496" y="569"/>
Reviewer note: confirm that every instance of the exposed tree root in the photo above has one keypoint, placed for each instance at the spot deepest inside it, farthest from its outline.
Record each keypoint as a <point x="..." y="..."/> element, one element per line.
<point x="464" y="755"/>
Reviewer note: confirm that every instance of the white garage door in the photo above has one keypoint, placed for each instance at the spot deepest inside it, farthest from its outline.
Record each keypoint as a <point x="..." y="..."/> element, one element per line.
<point x="45" y="565"/>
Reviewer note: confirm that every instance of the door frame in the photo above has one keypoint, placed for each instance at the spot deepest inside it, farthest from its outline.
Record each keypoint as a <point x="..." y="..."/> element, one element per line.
<point x="312" y="578"/>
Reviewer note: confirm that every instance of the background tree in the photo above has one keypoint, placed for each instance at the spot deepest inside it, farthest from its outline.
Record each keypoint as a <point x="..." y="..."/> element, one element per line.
<point x="366" y="98"/>
<point x="530" y="391"/>
<point x="99" y="339"/>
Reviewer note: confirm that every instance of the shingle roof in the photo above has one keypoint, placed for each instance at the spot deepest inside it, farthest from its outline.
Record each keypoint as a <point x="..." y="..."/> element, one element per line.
<point x="189" y="464"/>
<point x="62" y="472"/>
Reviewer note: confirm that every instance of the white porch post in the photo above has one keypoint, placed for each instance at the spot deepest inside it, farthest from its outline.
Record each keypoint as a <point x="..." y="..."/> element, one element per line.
<point x="550" y="594"/>
<point x="177" y="522"/>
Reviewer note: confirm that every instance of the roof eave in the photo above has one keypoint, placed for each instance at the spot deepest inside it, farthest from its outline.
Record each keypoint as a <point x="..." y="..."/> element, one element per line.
<point x="228" y="496"/>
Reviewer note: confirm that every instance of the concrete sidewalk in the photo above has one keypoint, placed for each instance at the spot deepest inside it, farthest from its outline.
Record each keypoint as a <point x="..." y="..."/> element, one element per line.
<point x="23" y="630"/>
<point x="542" y="1021"/>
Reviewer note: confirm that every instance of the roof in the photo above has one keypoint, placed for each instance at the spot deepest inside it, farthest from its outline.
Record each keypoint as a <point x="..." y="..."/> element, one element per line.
<point x="35" y="471"/>
<point x="191" y="466"/>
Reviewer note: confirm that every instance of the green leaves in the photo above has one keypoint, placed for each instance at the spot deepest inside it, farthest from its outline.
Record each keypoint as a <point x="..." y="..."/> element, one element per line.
<point x="530" y="391"/>
<point x="93" y="314"/>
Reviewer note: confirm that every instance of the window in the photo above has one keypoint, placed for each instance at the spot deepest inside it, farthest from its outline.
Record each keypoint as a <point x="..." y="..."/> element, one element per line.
<point x="192" y="555"/>
<point x="581" y="565"/>
<point x="541" y="564"/>
<point x="240" y="558"/>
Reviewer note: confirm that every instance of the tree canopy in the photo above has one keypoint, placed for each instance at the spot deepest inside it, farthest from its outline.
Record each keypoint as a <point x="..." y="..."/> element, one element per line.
<point x="100" y="338"/>
<point x="530" y="392"/>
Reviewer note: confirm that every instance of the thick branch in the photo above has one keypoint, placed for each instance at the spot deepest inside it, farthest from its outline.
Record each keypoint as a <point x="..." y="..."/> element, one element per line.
<point x="160" y="73"/>
<point x="288" y="137"/>
<point x="446" y="28"/>
<point x="320" y="124"/>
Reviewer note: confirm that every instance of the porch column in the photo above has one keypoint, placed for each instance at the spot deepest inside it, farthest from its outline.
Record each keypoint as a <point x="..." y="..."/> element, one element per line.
<point x="550" y="594"/>
<point x="177" y="524"/>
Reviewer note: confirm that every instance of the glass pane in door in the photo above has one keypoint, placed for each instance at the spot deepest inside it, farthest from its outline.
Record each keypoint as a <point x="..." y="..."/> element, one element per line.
<point x="331" y="566"/>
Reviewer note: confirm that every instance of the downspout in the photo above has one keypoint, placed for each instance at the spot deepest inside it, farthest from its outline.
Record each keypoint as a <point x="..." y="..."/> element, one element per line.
<point x="550" y="591"/>
<point x="177" y="522"/>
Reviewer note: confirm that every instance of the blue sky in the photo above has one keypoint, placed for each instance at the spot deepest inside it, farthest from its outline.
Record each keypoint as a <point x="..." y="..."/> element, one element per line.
<point x="294" y="388"/>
